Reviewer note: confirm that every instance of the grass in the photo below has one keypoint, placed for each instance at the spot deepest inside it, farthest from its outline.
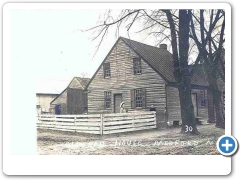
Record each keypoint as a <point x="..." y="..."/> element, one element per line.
<point x="167" y="141"/>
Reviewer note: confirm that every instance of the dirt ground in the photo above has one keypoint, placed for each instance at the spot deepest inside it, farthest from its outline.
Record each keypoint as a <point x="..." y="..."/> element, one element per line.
<point x="150" y="142"/>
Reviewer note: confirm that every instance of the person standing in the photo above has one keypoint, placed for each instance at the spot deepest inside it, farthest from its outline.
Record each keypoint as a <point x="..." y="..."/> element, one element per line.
<point x="152" y="108"/>
<point x="122" y="108"/>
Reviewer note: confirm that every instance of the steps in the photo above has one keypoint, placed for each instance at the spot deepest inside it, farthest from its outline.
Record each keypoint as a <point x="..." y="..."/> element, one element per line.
<point x="201" y="121"/>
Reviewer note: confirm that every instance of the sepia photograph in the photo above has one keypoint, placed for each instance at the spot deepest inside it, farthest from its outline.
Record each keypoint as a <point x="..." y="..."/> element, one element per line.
<point x="154" y="85"/>
<point x="110" y="88"/>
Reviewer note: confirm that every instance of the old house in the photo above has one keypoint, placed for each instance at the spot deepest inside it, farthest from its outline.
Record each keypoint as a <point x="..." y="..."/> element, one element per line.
<point x="73" y="99"/>
<point x="43" y="102"/>
<point x="46" y="91"/>
<point x="142" y="75"/>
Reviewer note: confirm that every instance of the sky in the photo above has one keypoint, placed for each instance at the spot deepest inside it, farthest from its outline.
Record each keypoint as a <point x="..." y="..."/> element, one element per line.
<point x="53" y="41"/>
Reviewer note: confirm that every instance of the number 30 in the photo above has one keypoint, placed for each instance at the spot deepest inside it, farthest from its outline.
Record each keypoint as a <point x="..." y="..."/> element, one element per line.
<point x="188" y="128"/>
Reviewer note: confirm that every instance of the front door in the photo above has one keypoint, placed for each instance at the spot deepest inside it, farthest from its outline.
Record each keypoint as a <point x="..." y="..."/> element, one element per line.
<point x="194" y="101"/>
<point x="58" y="109"/>
<point x="117" y="102"/>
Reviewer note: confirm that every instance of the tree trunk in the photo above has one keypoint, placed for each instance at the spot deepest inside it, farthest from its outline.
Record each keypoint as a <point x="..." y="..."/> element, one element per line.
<point x="217" y="101"/>
<point x="187" y="110"/>
<point x="181" y="69"/>
<point x="220" y="121"/>
<point x="184" y="87"/>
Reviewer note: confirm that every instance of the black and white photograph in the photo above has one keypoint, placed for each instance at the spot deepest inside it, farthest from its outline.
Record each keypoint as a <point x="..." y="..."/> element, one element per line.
<point x="159" y="90"/>
<point x="119" y="82"/>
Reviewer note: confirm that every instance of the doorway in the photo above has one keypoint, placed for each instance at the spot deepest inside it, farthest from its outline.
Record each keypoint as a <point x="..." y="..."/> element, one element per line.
<point x="58" y="109"/>
<point x="117" y="102"/>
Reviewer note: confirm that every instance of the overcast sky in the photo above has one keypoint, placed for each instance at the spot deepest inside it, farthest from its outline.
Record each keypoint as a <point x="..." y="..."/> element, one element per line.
<point x="54" y="42"/>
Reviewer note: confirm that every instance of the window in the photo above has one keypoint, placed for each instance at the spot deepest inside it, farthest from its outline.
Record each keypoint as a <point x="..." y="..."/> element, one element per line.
<point x="107" y="99"/>
<point x="106" y="70"/>
<point x="38" y="106"/>
<point x="138" y="98"/>
<point x="137" y="67"/>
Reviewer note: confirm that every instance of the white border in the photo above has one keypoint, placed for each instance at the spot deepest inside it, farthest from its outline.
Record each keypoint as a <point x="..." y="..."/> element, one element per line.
<point x="111" y="165"/>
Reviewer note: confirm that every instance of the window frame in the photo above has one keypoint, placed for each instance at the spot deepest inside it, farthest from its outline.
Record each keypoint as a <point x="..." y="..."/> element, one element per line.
<point x="138" y="97"/>
<point x="137" y="67"/>
<point x="106" y="72"/>
<point x="107" y="99"/>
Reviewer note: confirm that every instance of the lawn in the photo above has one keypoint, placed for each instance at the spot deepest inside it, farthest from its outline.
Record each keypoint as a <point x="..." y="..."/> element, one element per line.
<point x="150" y="142"/>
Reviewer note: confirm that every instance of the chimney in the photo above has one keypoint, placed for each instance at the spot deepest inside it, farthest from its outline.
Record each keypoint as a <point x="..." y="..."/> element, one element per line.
<point x="163" y="46"/>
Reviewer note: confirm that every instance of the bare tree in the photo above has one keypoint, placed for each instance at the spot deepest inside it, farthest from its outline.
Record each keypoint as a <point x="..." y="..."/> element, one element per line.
<point x="210" y="46"/>
<point x="172" y="25"/>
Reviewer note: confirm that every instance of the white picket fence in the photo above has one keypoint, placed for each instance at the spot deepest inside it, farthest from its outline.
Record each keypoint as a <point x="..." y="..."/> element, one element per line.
<point x="99" y="123"/>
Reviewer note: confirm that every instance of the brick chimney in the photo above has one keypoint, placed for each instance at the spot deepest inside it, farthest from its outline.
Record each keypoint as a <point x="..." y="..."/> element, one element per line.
<point x="163" y="46"/>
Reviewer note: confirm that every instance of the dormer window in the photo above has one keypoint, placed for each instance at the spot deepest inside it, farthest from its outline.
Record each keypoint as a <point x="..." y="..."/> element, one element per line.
<point x="106" y="70"/>
<point x="137" y="67"/>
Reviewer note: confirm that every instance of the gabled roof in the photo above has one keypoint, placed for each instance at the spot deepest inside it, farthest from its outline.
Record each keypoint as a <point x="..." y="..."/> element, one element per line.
<point x="160" y="60"/>
<point x="82" y="82"/>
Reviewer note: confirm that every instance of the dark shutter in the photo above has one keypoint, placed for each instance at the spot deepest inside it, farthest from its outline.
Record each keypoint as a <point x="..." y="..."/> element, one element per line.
<point x="143" y="98"/>
<point x="103" y="70"/>
<point x="132" y="99"/>
<point x="133" y="66"/>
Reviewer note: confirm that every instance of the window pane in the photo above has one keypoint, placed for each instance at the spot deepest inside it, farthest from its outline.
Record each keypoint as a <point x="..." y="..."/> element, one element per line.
<point x="106" y="68"/>
<point x="107" y="99"/>
<point x="138" y="97"/>
<point x="137" y="66"/>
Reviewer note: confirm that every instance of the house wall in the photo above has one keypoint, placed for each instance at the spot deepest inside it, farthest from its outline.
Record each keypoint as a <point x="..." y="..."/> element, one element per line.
<point x="73" y="100"/>
<point x="123" y="81"/>
<point x="76" y="101"/>
<point x="173" y="104"/>
<point x="44" y="101"/>
<point x="61" y="100"/>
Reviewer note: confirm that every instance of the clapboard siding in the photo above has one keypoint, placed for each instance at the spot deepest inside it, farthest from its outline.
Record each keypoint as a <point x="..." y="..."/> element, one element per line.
<point x="173" y="104"/>
<point x="76" y="101"/>
<point x="123" y="80"/>
<point x="62" y="99"/>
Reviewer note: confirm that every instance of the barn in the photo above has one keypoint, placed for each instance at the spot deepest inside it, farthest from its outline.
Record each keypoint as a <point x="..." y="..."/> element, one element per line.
<point x="141" y="75"/>
<point x="73" y="99"/>
<point x="46" y="91"/>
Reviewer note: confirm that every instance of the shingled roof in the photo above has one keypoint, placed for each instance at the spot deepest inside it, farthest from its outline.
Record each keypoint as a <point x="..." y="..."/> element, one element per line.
<point x="82" y="85"/>
<point x="83" y="81"/>
<point x="161" y="61"/>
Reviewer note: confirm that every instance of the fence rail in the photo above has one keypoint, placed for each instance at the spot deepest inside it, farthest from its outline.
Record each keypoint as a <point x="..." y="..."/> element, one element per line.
<point x="99" y="123"/>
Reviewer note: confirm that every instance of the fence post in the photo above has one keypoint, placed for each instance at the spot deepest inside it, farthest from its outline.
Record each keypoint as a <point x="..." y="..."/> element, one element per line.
<point x="155" y="118"/>
<point x="75" y="123"/>
<point x="54" y="121"/>
<point x="101" y="124"/>
<point x="133" y="118"/>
